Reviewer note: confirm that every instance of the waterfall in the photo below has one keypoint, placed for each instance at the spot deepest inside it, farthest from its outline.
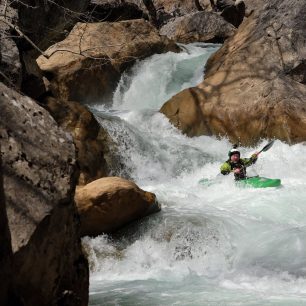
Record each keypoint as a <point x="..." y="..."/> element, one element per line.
<point x="211" y="245"/>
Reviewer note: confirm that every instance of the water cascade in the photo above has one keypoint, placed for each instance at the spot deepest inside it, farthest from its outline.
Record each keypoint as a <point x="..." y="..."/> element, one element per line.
<point x="210" y="245"/>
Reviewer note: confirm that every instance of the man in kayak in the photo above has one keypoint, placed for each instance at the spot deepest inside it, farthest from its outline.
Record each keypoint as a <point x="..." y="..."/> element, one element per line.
<point x="237" y="165"/>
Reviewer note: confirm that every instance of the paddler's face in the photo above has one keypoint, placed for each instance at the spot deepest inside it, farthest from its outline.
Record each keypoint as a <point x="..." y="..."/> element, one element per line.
<point x="235" y="158"/>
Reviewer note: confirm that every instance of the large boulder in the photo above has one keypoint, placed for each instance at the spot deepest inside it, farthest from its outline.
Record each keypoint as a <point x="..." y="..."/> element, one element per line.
<point x="39" y="169"/>
<point x="92" y="142"/>
<point x="200" y="26"/>
<point x="87" y="65"/>
<point x="254" y="85"/>
<point x="108" y="204"/>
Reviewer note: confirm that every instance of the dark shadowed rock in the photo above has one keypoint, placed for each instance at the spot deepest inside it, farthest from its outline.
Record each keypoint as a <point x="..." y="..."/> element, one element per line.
<point x="200" y="26"/>
<point x="10" y="66"/>
<point x="234" y="14"/>
<point x="115" y="10"/>
<point x="254" y="85"/>
<point x="108" y="204"/>
<point x="39" y="171"/>
<point x="47" y="22"/>
<point x="87" y="65"/>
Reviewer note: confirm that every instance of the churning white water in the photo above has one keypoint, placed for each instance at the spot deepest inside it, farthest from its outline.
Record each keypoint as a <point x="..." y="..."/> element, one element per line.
<point x="211" y="245"/>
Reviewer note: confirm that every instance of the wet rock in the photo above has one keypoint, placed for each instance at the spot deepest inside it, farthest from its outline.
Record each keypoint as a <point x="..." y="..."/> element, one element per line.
<point x="248" y="92"/>
<point x="200" y="26"/>
<point x="39" y="173"/>
<point x="108" y="204"/>
<point x="87" y="65"/>
<point x="92" y="142"/>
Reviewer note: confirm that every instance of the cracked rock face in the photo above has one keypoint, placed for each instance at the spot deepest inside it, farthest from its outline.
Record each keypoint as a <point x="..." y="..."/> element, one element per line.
<point x="39" y="175"/>
<point x="254" y="85"/>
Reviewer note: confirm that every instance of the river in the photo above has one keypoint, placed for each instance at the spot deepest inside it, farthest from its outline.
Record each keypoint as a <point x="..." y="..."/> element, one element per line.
<point x="210" y="245"/>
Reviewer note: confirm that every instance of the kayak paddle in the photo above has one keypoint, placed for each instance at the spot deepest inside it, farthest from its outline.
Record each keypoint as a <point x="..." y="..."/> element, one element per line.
<point x="266" y="147"/>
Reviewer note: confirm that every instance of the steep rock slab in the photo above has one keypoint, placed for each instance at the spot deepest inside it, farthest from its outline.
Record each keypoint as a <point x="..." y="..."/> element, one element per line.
<point x="39" y="172"/>
<point x="108" y="204"/>
<point x="200" y="26"/>
<point x="92" y="141"/>
<point x="6" y="255"/>
<point x="87" y="65"/>
<point x="250" y="89"/>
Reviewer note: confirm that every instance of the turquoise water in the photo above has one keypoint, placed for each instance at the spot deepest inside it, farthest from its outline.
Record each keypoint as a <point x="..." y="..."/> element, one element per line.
<point x="210" y="245"/>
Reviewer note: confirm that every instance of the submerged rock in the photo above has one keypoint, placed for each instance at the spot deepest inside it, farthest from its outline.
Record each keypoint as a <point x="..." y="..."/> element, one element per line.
<point x="251" y="88"/>
<point x="108" y="204"/>
<point x="200" y="26"/>
<point x="87" y="65"/>
<point x="39" y="174"/>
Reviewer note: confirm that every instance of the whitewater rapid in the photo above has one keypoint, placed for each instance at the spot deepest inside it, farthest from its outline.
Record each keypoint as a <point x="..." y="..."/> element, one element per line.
<point x="210" y="245"/>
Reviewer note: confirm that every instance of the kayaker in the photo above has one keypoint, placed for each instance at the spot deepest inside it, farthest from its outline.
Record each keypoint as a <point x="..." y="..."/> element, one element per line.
<point x="236" y="164"/>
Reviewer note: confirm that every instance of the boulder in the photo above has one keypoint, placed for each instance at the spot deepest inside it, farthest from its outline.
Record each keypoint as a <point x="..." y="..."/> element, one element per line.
<point x="200" y="26"/>
<point x="92" y="142"/>
<point x="87" y="65"/>
<point x="251" y="88"/>
<point x="108" y="204"/>
<point x="39" y="174"/>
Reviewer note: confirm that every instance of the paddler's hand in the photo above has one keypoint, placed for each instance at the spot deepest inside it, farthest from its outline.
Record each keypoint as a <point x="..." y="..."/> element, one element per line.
<point x="237" y="171"/>
<point x="255" y="155"/>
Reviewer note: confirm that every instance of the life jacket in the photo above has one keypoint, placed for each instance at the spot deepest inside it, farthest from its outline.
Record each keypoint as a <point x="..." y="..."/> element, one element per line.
<point x="239" y="165"/>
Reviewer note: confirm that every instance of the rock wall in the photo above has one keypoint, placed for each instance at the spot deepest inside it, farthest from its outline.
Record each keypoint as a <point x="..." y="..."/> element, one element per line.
<point x="40" y="173"/>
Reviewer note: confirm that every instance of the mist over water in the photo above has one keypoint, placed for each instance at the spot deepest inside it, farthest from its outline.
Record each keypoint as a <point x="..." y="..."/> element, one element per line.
<point x="211" y="245"/>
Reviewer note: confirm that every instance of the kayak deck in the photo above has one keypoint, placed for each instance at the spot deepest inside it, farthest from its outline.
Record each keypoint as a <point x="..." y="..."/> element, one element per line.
<point x="250" y="182"/>
<point x="259" y="182"/>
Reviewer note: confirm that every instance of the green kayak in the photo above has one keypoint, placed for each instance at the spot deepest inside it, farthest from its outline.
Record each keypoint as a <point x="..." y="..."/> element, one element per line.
<point x="251" y="182"/>
<point x="259" y="182"/>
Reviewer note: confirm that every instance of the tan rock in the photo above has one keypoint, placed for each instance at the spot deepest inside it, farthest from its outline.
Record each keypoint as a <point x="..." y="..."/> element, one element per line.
<point x="250" y="90"/>
<point x="87" y="65"/>
<point x="108" y="204"/>
<point x="92" y="142"/>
